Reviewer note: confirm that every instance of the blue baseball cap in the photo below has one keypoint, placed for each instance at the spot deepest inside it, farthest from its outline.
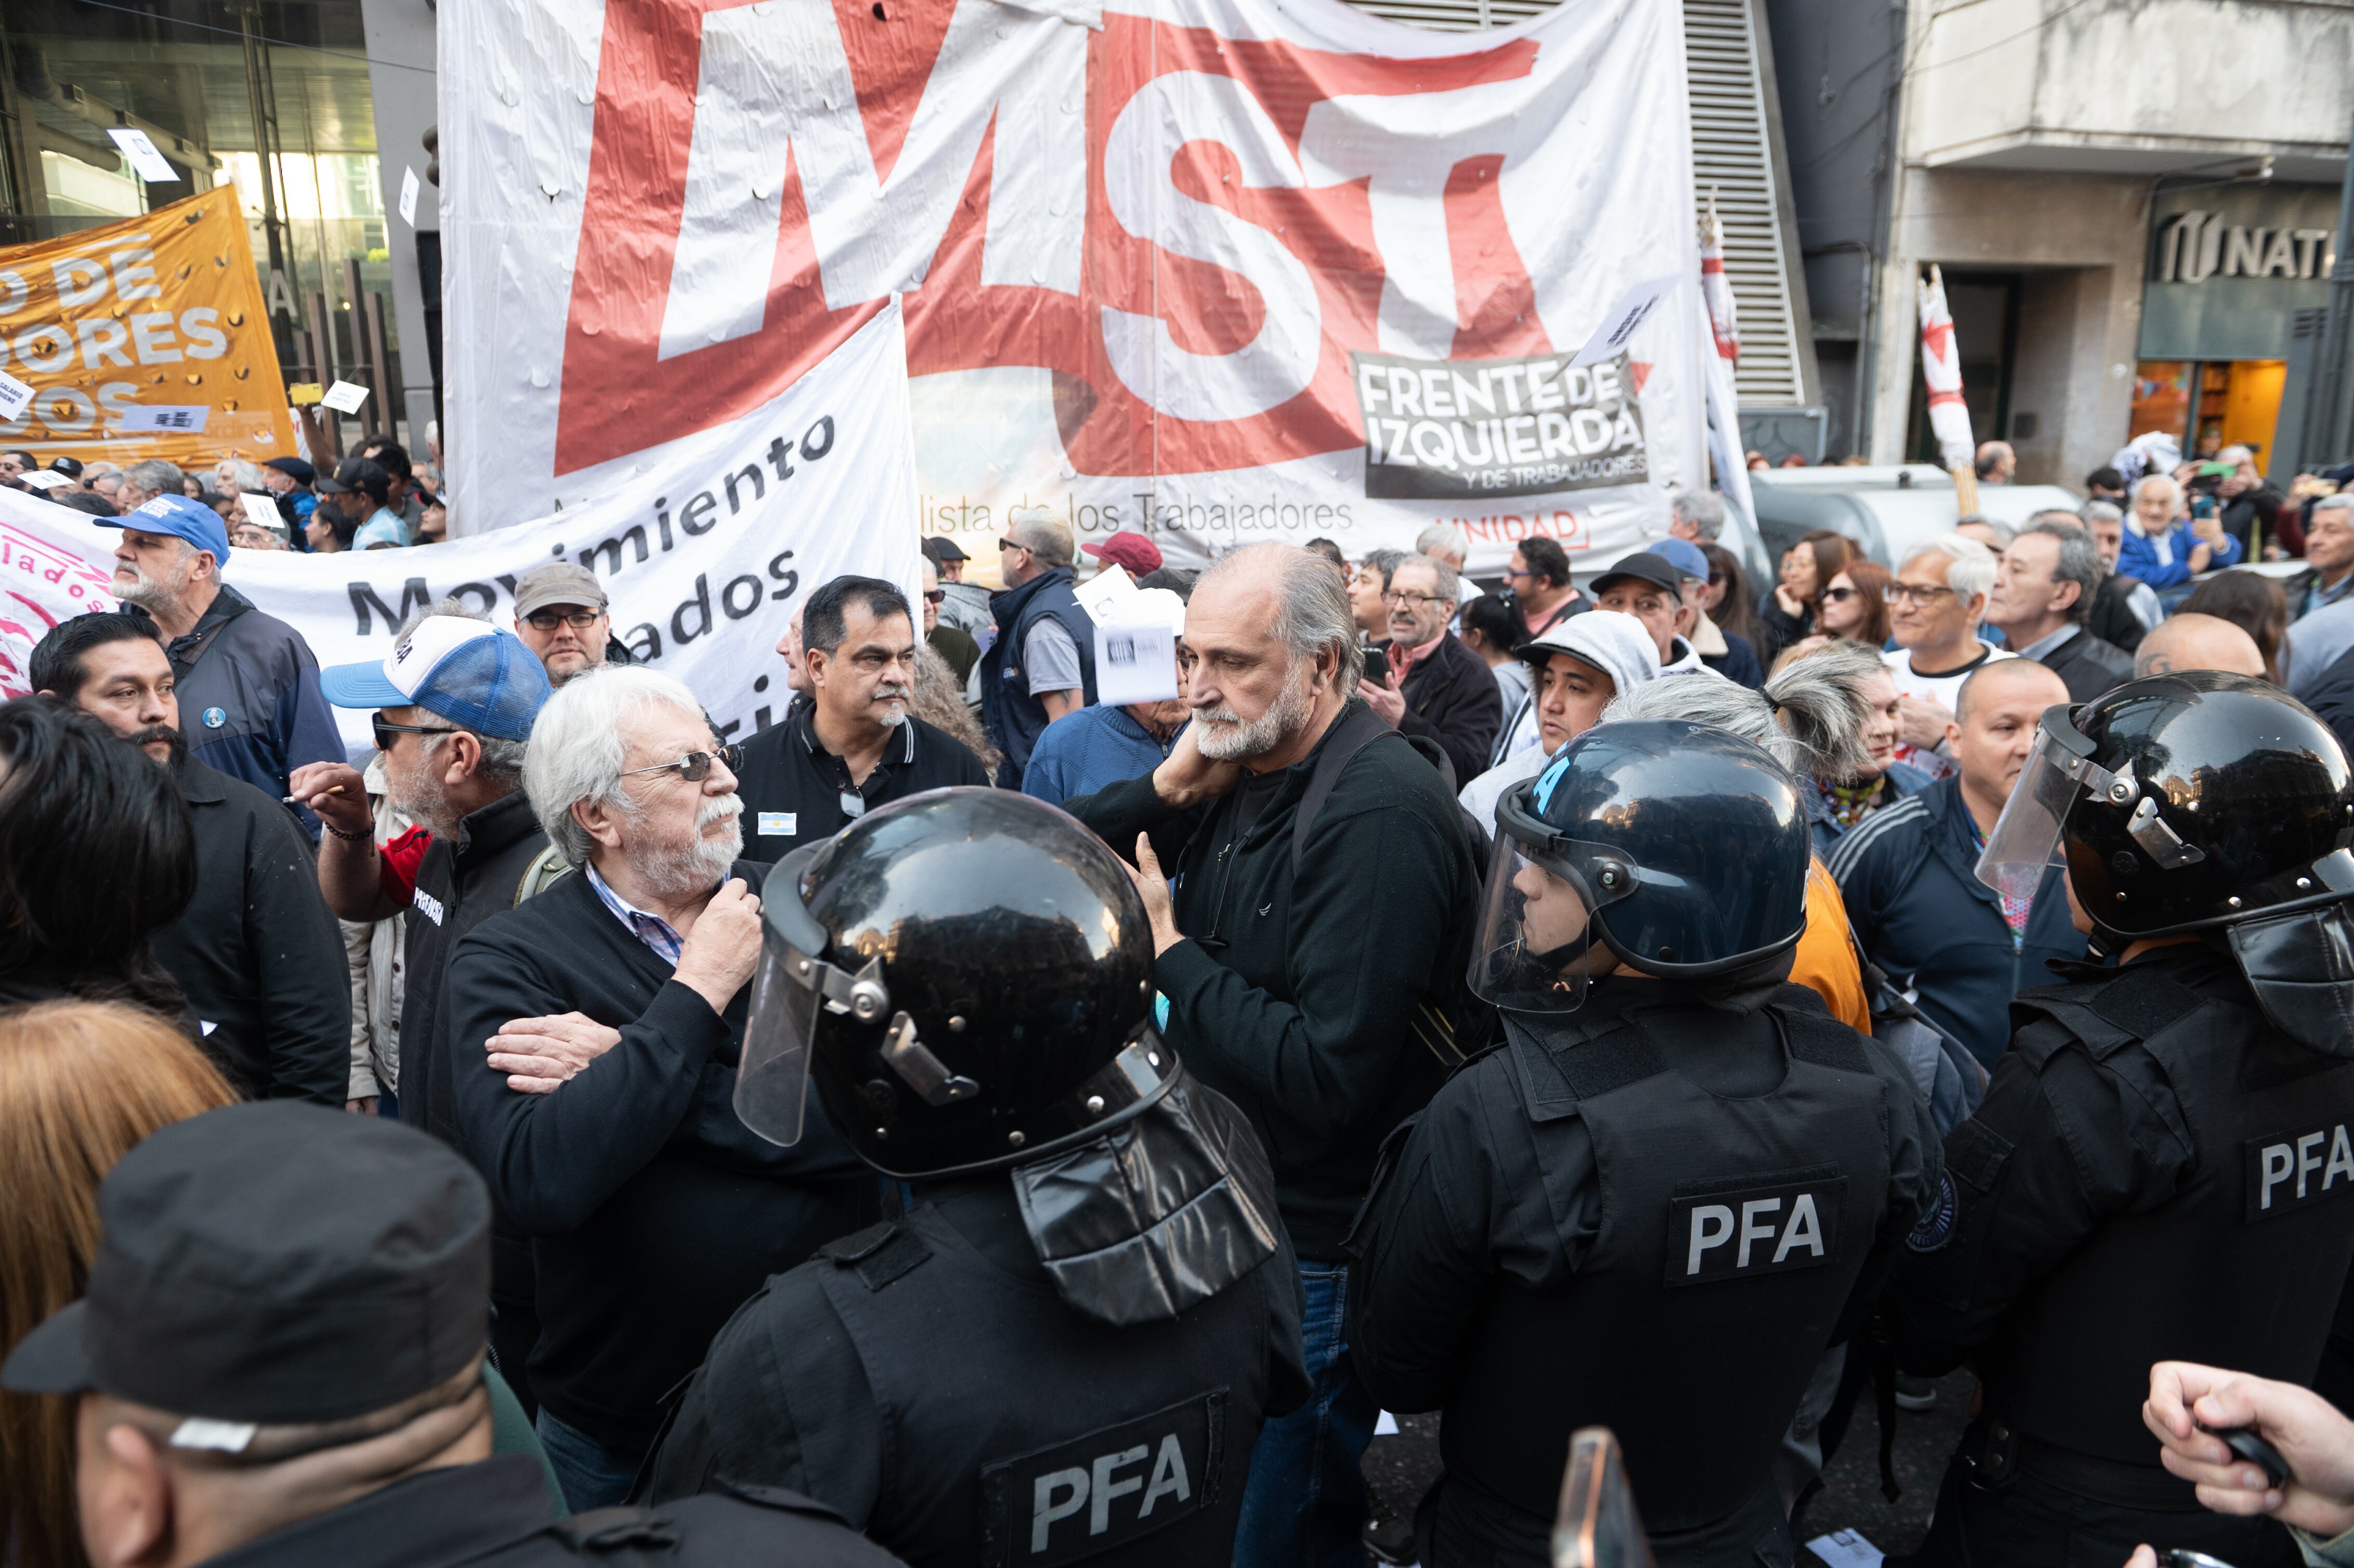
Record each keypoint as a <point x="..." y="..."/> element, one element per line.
<point x="1684" y="556"/>
<point x="467" y="671"/>
<point x="181" y="518"/>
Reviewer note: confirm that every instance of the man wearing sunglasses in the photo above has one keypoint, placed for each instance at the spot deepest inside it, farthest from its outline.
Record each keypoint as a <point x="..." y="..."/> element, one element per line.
<point x="1042" y="664"/>
<point x="560" y="614"/>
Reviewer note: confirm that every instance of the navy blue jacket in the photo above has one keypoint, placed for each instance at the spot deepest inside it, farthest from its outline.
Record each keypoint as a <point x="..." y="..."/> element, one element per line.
<point x="1738" y="663"/>
<point x="1934" y="928"/>
<point x="1014" y="718"/>
<point x="250" y="698"/>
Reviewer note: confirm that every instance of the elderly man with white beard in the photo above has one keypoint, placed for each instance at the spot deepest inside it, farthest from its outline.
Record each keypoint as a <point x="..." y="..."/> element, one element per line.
<point x="614" y="1143"/>
<point x="1309" y="961"/>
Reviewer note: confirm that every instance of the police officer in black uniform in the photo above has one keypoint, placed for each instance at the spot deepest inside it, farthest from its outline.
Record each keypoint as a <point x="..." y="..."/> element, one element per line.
<point x="1660" y="1201"/>
<point x="1066" y="1348"/>
<point x="282" y="1371"/>
<point x="2161" y="1168"/>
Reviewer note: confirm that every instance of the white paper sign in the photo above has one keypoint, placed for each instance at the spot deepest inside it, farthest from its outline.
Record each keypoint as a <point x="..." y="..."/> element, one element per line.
<point x="185" y="417"/>
<point x="1136" y="661"/>
<point x="1633" y="309"/>
<point x="409" y="197"/>
<point x="43" y="479"/>
<point x="15" y="396"/>
<point x="345" y="396"/>
<point x="1846" y="1549"/>
<point x="262" y="509"/>
<point x="152" y="166"/>
<point x="1100" y="595"/>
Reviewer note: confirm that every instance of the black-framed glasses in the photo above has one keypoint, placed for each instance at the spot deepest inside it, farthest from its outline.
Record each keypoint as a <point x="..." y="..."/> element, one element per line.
<point x="936" y="595"/>
<point x="1395" y="597"/>
<point x="696" y="765"/>
<point x="579" y="617"/>
<point x="1916" y="593"/>
<point x="1841" y="594"/>
<point x="385" y="731"/>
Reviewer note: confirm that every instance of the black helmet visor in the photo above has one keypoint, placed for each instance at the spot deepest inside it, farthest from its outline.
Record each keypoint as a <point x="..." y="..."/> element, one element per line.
<point x="1534" y="949"/>
<point x="788" y="988"/>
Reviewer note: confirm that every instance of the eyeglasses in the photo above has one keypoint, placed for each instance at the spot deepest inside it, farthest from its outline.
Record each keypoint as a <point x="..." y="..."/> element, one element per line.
<point x="696" y="765"/>
<point x="1915" y="593"/>
<point x="936" y="596"/>
<point x="580" y="619"/>
<point x="1841" y="594"/>
<point x="1411" y="599"/>
<point x="384" y="732"/>
<point x="1509" y="573"/>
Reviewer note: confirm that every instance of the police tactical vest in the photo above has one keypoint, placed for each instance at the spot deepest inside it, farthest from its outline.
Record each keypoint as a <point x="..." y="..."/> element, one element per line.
<point x="2241" y="1267"/>
<point x="1019" y="1433"/>
<point x="1732" y="1233"/>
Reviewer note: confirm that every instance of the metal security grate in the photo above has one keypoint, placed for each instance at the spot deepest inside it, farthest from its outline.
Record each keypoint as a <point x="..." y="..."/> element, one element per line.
<point x="1731" y="157"/>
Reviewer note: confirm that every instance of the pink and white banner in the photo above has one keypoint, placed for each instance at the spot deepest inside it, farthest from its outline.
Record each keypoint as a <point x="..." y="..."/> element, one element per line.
<point x="1218" y="270"/>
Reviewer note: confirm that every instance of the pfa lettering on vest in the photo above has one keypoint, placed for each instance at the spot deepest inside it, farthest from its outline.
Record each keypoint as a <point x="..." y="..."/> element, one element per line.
<point x="1113" y="1485"/>
<point x="1752" y="1225"/>
<point x="2291" y="1169"/>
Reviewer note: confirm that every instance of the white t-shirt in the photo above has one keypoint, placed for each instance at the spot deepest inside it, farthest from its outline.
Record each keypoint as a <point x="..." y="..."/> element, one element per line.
<point x="1942" y="689"/>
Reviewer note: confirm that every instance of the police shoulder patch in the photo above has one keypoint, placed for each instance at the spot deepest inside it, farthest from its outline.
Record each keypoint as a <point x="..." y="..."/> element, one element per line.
<point x="1935" y="1226"/>
<point x="1112" y="1486"/>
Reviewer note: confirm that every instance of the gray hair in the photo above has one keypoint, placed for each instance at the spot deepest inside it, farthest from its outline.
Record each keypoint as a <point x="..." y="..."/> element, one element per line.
<point x="2079" y="563"/>
<point x="1443" y="538"/>
<point x="2003" y="531"/>
<point x="156" y="477"/>
<point x="1313" y="614"/>
<point x="1384" y="562"/>
<point x="502" y="758"/>
<point x="2103" y="511"/>
<point x="1969" y="570"/>
<point x="577" y="750"/>
<point x="1046" y="538"/>
<point x="1450" y="583"/>
<point x="1702" y="509"/>
<point x="2341" y="502"/>
<point x="2164" y="480"/>
<point x="1810" y="718"/>
<point x="2069" y="515"/>
<point x="248" y="475"/>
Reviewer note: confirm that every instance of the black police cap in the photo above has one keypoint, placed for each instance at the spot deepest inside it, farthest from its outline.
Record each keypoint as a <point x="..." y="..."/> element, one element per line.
<point x="275" y="1262"/>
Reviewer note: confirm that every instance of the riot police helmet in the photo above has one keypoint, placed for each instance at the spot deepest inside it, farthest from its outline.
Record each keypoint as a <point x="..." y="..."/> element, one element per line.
<point x="2192" y="800"/>
<point x="966" y="978"/>
<point x="1677" y="848"/>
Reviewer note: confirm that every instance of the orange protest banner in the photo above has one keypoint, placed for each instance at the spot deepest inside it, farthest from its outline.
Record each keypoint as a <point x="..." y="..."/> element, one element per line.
<point x="146" y="338"/>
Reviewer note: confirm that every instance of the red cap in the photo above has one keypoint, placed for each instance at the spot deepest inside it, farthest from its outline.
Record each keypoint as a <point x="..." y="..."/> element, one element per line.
<point x="1130" y="549"/>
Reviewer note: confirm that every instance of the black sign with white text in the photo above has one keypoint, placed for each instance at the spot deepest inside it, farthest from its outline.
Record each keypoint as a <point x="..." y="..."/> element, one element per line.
<point x="1448" y="429"/>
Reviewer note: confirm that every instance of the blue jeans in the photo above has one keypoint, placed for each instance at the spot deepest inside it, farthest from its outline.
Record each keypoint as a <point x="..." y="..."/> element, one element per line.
<point x="591" y="1475"/>
<point x="1306" y="1502"/>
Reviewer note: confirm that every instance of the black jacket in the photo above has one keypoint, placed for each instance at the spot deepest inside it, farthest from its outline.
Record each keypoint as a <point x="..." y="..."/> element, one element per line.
<point x="495" y="1514"/>
<point x="793" y="788"/>
<point x="256" y="951"/>
<point x="2088" y="666"/>
<point x="2113" y="620"/>
<point x="655" y="1213"/>
<point x="2331" y="696"/>
<point x="459" y="887"/>
<point x="1451" y="696"/>
<point x="1300" y="999"/>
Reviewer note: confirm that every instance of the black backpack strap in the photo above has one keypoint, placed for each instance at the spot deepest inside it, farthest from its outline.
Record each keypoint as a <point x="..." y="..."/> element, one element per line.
<point x="1357" y="727"/>
<point x="623" y="1537"/>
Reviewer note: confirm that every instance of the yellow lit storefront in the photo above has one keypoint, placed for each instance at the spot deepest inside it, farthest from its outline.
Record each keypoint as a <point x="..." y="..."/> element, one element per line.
<point x="2207" y="404"/>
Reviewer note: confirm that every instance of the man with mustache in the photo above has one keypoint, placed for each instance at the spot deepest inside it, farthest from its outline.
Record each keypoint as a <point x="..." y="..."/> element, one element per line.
<point x="1309" y="960"/>
<point x="256" y="951"/>
<point x="653" y="1211"/>
<point x="854" y="745"/>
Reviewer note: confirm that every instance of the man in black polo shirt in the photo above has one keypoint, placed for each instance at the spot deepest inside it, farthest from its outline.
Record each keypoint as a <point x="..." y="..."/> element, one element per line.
<point x="854" y="746"/>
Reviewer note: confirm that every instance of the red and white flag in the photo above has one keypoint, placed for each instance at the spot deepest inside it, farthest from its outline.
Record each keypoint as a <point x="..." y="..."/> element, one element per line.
<point x="1941" y="366"/>
<point x="1723" y="317"/>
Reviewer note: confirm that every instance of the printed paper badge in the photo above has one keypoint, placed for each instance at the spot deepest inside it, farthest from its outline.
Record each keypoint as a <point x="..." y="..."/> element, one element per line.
<point x="1444" y="429"/>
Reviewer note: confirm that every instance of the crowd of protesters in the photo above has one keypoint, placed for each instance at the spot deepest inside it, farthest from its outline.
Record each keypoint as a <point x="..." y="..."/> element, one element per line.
<point x="526" y="925"/>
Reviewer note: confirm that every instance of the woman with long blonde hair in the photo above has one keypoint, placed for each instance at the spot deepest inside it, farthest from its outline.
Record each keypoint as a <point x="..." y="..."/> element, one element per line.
<point x="81" y="1082"/>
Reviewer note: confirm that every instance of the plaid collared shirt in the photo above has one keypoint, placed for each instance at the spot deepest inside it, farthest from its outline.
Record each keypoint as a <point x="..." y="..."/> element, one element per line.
<point x="651" y="929"/>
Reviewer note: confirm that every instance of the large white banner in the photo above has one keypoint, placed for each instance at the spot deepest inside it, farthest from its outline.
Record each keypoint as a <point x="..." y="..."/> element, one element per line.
<point x="705" y="543"/>
<point x="1218" y="270"/>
